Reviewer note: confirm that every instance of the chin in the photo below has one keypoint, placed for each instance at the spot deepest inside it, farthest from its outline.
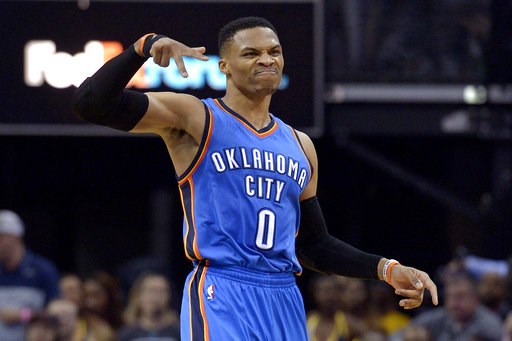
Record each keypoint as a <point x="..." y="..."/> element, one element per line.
<point x="267" y="90"/>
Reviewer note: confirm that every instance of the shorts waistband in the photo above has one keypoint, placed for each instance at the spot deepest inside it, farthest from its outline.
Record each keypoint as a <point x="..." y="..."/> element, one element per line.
<point x="252" y="277"/>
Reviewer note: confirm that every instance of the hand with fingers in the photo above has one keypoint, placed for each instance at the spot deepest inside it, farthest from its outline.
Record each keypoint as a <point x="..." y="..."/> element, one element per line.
<point x="411" y="283"/>
<point x="163" y="49"/>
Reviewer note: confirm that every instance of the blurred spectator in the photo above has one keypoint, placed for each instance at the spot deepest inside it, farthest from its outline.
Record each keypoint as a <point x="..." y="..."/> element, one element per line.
<point x="492" y="292"/>
<point x="416" y="333"/>
<point x="148" y="313"/>
<point x="103" y="298"/>
<point x="507" y="328"/>
<point x="71" y="327"/>
<point x="27" y="281"/>
<point x="462" y="318"/>
<point x="328" y="321"/>
<point x="72" y="289"/>
<point x="493" y="276"/>
<point x="66" y="313"/>
<point x="42" y="327"/>
<point x="355" y="300"/>
<point x="384" y="309"/>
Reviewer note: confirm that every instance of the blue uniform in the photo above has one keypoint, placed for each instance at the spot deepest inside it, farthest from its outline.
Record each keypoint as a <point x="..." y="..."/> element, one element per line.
<point x="241" y="206"/>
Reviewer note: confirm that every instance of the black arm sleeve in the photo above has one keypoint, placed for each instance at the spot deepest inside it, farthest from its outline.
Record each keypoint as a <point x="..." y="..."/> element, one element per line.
<point x="101" y="98"/>
<point x="318" y="250"/>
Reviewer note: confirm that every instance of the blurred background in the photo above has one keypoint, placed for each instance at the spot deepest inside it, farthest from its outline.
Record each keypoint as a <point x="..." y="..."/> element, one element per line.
<point x="408" y="103"/>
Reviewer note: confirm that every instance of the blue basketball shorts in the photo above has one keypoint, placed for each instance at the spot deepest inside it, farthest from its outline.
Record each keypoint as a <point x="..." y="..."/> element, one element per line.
<point x="223" y="304"/>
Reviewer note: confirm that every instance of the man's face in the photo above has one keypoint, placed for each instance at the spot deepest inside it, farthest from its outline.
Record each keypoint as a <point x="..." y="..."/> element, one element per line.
<point x="253" y="62"/>
<point x="154" y="295"/>
<point x="327" y="293"/>
<point x="7" y="244"/>
<point x="461" y="300"/>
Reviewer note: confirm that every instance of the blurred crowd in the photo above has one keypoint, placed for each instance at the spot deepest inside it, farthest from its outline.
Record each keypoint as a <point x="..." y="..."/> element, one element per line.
<point x="37" y="303"/>
<point x="476" y="301"/>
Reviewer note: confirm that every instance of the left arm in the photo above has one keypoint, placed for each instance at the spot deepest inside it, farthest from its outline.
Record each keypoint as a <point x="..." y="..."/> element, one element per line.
<point x="318" y="250"/>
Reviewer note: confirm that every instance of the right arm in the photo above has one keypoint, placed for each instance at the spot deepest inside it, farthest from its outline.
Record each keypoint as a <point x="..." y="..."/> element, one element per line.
<point x="102" y="99"/>
<point x="320" y="251"/>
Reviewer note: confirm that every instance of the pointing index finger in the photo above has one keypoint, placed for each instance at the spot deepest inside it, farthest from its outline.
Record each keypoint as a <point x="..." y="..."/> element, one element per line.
<point x="432" y="288"/>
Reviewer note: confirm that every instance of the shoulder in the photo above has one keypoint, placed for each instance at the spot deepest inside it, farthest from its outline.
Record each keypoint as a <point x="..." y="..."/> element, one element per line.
<point x="488" y="317"/>
<point x="42" y="264"/>
<point x="170" y="110"/>
<point x="432" y="316"/>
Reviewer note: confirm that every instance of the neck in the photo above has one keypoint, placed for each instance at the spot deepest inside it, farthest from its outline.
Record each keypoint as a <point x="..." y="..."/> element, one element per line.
<point x="253" y="109"/>
<point x="154" y="321"/>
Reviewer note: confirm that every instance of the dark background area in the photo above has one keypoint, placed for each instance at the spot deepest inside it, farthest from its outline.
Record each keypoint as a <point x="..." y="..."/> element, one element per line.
<point x="392" y="181"/>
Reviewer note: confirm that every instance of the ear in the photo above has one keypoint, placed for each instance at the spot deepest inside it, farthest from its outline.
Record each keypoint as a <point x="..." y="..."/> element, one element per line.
<point x="223" y="66"/>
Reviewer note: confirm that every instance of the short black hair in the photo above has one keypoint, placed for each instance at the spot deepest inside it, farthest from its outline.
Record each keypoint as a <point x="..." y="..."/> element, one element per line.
<point x="227" y="33"/>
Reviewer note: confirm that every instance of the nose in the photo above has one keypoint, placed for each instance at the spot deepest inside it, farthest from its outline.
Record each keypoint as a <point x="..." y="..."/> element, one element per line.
<point x="266" y="59"/>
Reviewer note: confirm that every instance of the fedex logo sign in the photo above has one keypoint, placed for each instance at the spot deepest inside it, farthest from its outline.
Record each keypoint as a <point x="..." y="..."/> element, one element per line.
<point x="44" y="64"/>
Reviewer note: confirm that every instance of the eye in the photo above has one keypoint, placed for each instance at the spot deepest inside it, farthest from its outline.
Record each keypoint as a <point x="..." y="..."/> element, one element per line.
<point x="275" y="53"/>
<point x="249" y="54"/>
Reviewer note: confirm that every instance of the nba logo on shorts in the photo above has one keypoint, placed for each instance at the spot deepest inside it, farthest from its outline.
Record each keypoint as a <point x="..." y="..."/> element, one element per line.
<point x="210" y="293"/>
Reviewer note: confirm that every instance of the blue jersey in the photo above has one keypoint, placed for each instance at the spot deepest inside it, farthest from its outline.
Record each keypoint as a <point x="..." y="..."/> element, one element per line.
<point x="241" y="194"/>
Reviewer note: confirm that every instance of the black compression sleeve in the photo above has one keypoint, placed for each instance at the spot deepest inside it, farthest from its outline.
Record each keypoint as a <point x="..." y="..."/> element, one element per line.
<point x="101" y="98"/>
<point x="318" y="250"/>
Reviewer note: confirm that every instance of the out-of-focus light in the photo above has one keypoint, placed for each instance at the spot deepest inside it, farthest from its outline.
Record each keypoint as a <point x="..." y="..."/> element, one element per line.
<point x="475" y="94"/>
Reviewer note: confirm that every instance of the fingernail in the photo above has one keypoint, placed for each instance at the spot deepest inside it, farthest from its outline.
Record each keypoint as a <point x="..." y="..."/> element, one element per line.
<point x="419" y="285"/>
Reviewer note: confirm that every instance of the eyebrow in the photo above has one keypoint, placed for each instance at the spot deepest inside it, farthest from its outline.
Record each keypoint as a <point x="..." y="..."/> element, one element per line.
<point x="256" y="49"/>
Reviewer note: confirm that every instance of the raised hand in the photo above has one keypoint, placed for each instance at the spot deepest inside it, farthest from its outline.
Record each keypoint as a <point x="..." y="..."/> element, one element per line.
<point x="164" y="49"/>
<point x="411" y="284"/>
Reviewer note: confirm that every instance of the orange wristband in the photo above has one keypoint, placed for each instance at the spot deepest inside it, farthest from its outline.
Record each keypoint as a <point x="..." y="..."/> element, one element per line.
<point x="386" y="270"/>
<point x="143" y="40"/>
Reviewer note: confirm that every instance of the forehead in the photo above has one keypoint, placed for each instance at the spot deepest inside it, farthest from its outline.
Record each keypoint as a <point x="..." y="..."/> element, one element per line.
<point x="257" y="38"/>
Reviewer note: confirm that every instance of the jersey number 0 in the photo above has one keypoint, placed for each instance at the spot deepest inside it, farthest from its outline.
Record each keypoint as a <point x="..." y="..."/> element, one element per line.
<point x="266" y="229"/>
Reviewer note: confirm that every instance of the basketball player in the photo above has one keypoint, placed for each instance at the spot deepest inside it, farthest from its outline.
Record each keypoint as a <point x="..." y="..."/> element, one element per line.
<point x="248" y="187"/>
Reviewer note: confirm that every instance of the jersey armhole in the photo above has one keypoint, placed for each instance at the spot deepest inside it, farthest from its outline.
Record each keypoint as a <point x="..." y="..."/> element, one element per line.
<point x="303" y="150"/>
<point x="203" y="146"/>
